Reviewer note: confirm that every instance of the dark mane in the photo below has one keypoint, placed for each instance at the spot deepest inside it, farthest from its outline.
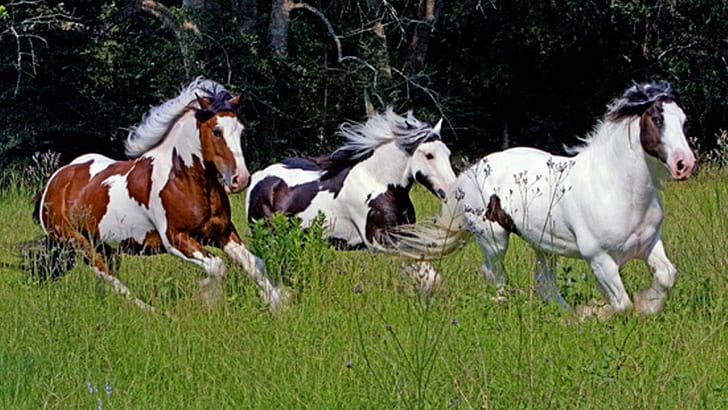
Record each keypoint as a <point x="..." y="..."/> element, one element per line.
<point x="638" y="98"/>
<point x="332" y="164"/>
<point x="218" y="99"/>
<point x="363" y="138"/>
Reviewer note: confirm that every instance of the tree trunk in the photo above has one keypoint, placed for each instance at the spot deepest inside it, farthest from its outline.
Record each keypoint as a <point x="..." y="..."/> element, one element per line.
<point x="381" y="52"/>
<point x="428" y="13"/>
<point x="280" y="24"/>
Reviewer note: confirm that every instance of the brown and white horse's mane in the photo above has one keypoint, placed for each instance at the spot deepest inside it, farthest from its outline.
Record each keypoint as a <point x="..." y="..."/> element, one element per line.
<point x="381" y="128"/>
<point x="159" y="119"/>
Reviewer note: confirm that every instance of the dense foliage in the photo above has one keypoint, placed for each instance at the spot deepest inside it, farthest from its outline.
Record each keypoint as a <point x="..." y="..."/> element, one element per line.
<point x="75" y="74"/>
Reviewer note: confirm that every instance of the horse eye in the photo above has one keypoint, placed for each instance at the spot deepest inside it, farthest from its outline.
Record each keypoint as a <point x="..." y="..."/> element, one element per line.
<point x="429" y="156"/>
<point x="217" y="132"/>
<point x="657" y="121"/>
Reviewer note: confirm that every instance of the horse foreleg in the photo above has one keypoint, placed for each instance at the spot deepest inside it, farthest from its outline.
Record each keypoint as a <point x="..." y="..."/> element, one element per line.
<point x="652" y="299"/>
<point x="189" y="249"/>
<point x="606" y="271"/>
<point x="273" y="295"/>
<point x="545" y="280"/>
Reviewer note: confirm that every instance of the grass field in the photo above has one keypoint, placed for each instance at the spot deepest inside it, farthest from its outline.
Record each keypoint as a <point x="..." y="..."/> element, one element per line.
<point x="359" y="335"/>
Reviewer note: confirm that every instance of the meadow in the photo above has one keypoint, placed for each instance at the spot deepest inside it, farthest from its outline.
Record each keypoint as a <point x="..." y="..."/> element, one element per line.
<point x="358" y="334"/>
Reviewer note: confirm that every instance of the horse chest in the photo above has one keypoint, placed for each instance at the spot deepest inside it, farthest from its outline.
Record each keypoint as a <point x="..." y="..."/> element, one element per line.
<point x="390" y="208"/>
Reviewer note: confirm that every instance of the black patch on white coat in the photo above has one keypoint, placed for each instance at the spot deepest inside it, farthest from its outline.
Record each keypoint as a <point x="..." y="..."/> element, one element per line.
<point x="390" y="208"/>
<point x="334" y="182"/>
<point x="272" y="195"/>
<point x="331" y="180"/>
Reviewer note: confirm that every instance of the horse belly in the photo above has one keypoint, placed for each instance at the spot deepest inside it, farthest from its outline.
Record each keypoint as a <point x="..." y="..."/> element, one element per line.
<point x="529" y="192"/>
<point x="125" y="218"/>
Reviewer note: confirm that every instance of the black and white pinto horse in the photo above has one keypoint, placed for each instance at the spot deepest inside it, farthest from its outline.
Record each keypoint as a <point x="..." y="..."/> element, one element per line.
<point x="363" y="187"/>
<point x="601" y="205"/>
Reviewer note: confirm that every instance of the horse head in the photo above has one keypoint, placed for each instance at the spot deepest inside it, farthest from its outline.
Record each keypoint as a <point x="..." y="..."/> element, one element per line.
<point x="430" y="163"/>
<point x="220" y="131"/>
<point x="662" y="125"/>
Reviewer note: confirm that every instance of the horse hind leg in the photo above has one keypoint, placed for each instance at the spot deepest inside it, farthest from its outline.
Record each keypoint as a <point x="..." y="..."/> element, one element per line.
<point x="652" y="300"/>
<point x="99" y="267"/>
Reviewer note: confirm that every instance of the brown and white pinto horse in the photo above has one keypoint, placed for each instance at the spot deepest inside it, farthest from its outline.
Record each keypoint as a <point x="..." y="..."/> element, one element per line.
<point x="168" y="198"/>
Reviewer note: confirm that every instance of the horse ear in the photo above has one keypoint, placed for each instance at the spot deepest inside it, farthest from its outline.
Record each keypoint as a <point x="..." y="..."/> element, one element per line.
<point x="436" y="129"/>
<point x="235" y="101"/>
<point x="204" y="102"/>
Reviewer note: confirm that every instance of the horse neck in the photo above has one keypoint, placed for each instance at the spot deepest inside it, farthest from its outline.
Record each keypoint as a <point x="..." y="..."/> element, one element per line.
<point x="388" y="165"/>
<point x="182" y="143"/>
<point x="615" y="151"/>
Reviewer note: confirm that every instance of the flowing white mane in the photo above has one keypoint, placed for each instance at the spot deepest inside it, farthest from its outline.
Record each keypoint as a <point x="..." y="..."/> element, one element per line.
<point x="379" y="129"/>
<point x="158" y="120"/>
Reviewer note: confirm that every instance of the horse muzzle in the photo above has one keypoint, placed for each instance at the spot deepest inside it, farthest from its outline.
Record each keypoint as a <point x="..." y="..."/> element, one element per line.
<point x="238" y="181"/>
<point x="681" y="165"/>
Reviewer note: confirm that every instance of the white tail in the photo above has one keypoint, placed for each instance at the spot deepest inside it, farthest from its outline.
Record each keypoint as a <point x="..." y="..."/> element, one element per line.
<point x="433" y="239"/>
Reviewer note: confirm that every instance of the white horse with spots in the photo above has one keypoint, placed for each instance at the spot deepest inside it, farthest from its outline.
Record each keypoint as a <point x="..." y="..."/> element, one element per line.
<point x="363" y="187"/>
<point x="601" y="205"/>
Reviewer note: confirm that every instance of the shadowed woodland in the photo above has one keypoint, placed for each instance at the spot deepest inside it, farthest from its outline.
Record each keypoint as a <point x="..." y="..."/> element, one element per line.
<point x="76" y="74"/>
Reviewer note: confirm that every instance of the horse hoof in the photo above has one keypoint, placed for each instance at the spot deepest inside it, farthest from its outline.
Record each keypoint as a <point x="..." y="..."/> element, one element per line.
<point x="649" y="302"/>
<point x="276" y="299"/>
<point x="424" y="276"/>
<point x="500" y="296"/>
<point x="211" y="290"/>
<point x="600" y="310"/>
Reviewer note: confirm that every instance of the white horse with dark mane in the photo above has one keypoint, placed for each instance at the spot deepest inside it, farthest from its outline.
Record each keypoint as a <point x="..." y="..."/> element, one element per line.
<point x="363" y="187"/>
<point x="601" y="205"/>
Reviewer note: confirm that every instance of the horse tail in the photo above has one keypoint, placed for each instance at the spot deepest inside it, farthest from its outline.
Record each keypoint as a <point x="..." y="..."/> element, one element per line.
<point x="36" y="206"/>
<point x="43" y="258"/>
<point x="438" y="237"/>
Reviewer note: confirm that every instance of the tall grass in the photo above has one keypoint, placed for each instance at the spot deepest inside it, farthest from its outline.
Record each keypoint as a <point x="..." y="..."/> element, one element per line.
<point x="358" y="334"/>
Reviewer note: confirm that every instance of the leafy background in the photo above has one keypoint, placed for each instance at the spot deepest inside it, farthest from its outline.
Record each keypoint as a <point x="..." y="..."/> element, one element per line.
<point x="517" y="72"/>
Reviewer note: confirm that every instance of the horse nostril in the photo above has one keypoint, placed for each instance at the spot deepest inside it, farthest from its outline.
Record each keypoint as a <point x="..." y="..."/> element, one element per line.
<point x="680" y="165"/>
<point x="234" y="181"/>
<point x="441" y="194"/>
